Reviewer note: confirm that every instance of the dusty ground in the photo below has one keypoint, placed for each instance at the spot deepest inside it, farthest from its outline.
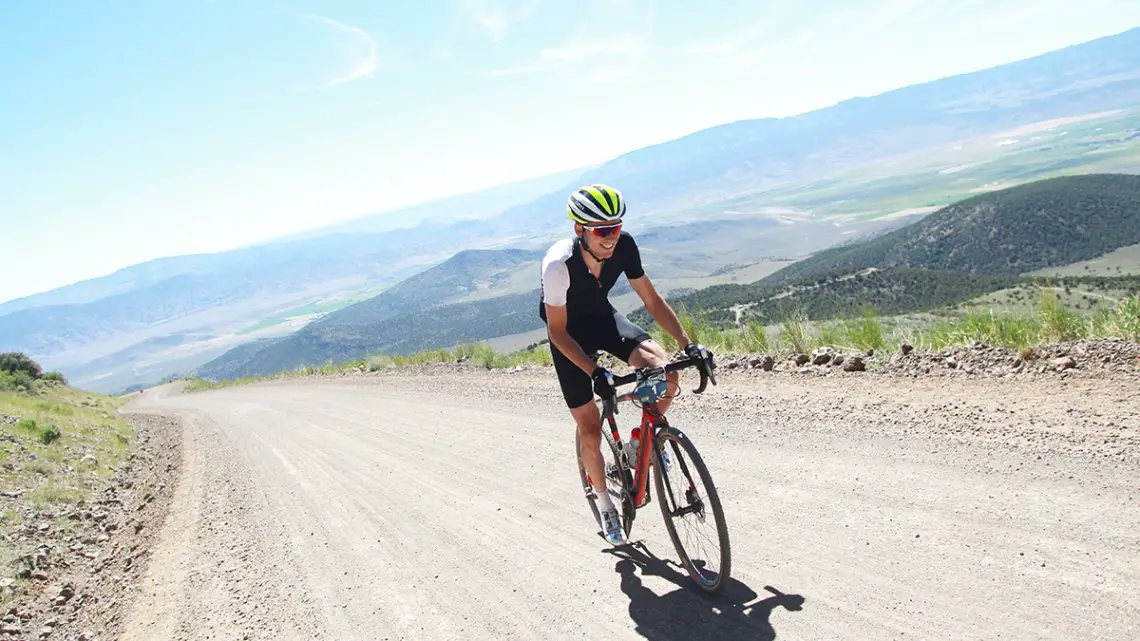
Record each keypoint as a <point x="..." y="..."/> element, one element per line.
<point x="82" y="579"/>
<point x="445" y="504"/>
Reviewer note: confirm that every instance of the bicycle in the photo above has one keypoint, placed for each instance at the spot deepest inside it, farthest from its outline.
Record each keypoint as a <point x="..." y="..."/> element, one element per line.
<point x="657" y="438"/>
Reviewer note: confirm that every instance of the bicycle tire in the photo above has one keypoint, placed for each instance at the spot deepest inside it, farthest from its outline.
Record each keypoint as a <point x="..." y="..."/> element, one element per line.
<point x="628" y="511"/>
<point x="672" y="434"/>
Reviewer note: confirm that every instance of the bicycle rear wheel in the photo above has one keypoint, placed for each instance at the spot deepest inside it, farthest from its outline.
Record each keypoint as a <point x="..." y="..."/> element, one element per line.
<point x="707" y="557"/>
<point x="616" y="471"/>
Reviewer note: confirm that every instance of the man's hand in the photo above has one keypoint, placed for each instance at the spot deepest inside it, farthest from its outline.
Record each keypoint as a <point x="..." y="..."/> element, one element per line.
<point x="603" y="383"/>
<point x="703" y="358"/>
<point x="695" y="351"/>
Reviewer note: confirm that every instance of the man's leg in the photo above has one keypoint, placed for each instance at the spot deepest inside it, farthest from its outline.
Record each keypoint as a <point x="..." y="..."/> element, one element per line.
<point x="650" y="354"/>
<point x="578" y="390"/>
<point x="589" y="421"/>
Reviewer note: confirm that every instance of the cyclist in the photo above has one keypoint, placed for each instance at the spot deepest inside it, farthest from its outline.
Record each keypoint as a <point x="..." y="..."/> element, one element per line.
<point x="577" y="275"/>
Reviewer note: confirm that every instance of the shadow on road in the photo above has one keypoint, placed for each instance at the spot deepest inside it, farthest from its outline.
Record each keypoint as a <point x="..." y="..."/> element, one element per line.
<point x="688" y="613"/>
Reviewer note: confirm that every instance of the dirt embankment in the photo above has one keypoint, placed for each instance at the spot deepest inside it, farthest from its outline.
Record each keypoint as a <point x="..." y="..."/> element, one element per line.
<point x="80" y="581"/>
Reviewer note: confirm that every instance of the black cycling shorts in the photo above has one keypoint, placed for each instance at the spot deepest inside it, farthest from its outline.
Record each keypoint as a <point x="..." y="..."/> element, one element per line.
<point x="615" y="334"/>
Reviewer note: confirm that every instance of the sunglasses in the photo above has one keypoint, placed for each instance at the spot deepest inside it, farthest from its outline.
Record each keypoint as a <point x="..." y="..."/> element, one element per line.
<point x="603" y="232"/>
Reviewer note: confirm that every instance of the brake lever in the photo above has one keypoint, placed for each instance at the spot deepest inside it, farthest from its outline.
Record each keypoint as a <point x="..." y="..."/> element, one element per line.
<point x="704" y="380"/>
<point x="710" y="365"/>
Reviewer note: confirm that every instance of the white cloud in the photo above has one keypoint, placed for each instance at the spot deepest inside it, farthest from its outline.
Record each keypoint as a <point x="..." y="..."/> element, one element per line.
<point x="364" y="46"/>
<point x="585" y="51"/>
<point x="498" y="16"/>
<point x="573" y="55"/>
<point x="782" y="28"/>
<point x="616" y="56"/>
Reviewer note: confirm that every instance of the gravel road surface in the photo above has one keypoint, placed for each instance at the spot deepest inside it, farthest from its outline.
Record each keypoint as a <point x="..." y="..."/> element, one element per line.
<point x="445" y="505"/>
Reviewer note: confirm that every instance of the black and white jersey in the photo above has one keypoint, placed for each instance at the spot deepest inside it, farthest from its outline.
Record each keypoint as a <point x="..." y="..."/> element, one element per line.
<point x="567" y="281"/>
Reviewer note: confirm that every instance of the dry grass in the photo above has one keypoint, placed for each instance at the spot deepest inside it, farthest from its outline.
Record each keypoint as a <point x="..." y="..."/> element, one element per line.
<point x="42" y="452"/>
<point x="1050" y="320"/>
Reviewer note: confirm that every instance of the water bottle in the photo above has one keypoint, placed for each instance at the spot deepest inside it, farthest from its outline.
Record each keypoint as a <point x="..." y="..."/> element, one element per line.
<point x="634" y="445"/>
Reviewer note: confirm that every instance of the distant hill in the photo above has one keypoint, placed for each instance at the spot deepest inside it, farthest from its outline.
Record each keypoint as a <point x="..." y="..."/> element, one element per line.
<point x="271" y="274"/>
<point x="443" y="326"/>
<point x="1046" y="223"/>
<point x="464" y="273"/>
<point x="406" y="318"/>
<point x="351" y="240"/>
<point x="979" y="245"/>
<point x="890" y="291"/>
<point x="976" y="246"/>
<point x="894" y="290"/>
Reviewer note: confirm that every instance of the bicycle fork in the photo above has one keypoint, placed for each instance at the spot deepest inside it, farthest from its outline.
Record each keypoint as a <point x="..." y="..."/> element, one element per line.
<point x="695" y="505"/>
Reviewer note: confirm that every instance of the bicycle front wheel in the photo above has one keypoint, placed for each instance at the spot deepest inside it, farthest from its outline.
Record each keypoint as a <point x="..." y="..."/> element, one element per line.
<point x="692" y="511"/>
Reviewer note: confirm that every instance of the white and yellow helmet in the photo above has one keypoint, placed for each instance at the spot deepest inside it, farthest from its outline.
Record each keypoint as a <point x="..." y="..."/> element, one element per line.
<point x="596" y="203"/>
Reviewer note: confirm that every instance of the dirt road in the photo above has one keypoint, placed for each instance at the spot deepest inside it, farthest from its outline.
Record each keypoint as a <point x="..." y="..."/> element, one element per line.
<point x="447" y="506"/>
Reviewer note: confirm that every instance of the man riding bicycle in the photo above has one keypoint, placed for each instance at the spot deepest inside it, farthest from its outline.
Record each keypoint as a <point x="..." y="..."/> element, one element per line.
<point x="577" y="275"/>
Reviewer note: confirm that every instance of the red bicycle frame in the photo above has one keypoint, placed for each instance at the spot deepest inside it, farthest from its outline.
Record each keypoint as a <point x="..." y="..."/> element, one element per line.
<point x="651" y="418"/>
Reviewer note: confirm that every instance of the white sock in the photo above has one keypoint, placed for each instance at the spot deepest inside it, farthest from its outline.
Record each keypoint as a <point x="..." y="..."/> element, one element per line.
<point x="604" y="502"/>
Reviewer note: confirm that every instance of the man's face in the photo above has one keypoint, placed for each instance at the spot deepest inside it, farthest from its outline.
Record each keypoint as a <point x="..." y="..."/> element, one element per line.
<point x="601" y="238"/>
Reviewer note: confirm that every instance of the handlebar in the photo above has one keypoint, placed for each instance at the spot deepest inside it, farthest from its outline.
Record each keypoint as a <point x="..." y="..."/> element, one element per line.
<point x="705" y="366"/>
<point x="646" y="372"/>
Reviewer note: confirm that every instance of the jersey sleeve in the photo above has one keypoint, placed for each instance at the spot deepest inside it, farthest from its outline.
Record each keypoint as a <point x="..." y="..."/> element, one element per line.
<point x="633" y="268"/>
<point x="555" y="280"/>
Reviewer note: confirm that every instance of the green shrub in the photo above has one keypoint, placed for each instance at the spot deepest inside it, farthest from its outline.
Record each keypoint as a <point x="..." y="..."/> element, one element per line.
<point x="14" y="362"/>
<point x="866" y="332"/>
<point x="755" y="337"/>
<point x="695" y="329"/>
<point x="1127" y="322"/>
<point x="832" y="335"/>
<point x="1058" y="323"/>
<point x="794" y="332"/>
<point x="17" y="382"/>
<point x="1000" y="330"/>
<point x="195" y="384"/>
<point x="55" y="376"/>
<point x="27" y="425"/>
<point x="49" y="434"/>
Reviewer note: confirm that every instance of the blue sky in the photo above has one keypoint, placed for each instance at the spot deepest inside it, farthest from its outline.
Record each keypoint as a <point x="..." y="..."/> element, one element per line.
<point x="131" y="130"/>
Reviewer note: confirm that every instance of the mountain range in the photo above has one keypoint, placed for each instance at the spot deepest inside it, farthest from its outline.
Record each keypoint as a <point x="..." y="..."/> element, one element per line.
<point x="1046" y="223"/>
<point x="976" y="246"/>
<point x="805" y="183"/>
<point x="979" y="245"/>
